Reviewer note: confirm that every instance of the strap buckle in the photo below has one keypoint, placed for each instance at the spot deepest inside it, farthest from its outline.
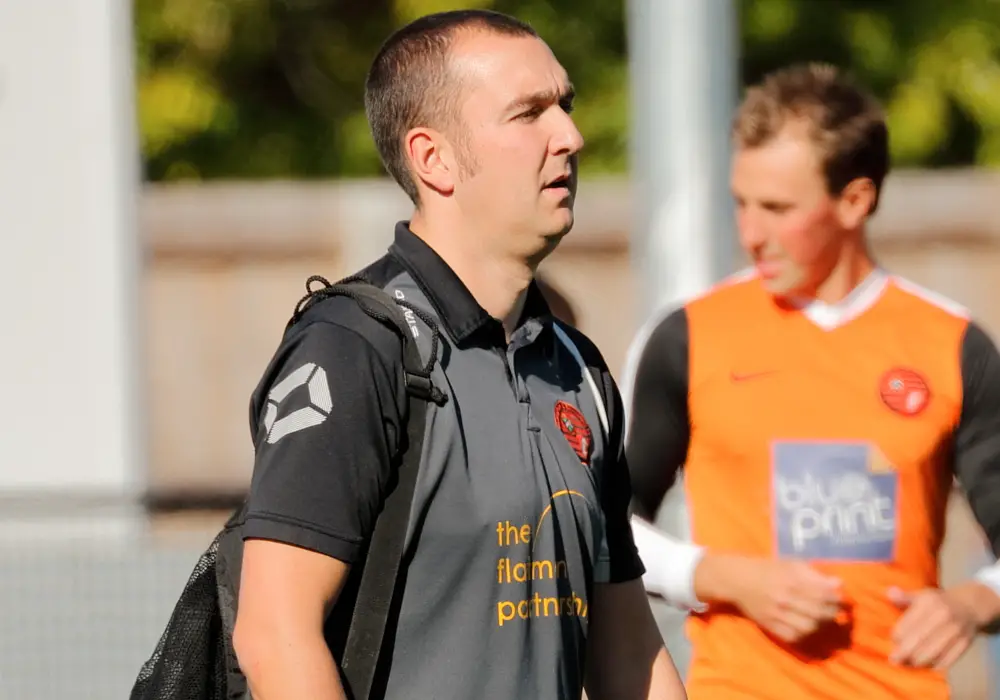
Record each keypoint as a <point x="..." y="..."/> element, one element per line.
<point x="422" y="387"/>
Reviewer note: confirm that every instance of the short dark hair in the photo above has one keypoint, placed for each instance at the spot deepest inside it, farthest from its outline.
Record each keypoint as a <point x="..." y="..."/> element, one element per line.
<point x="409" y="83"/>
<point x="844" y="120"/>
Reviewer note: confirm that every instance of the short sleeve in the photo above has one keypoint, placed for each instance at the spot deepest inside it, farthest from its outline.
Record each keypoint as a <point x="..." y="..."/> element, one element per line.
<point x="616" y="495"/>
<point x="327" y="422"/>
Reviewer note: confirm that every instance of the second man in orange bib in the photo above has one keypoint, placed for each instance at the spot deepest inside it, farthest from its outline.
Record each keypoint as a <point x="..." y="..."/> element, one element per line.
<point x="820" y="408"/>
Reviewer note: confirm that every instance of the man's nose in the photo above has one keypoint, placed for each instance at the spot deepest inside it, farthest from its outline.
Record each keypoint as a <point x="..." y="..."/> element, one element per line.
<point x="567" y="138"/>
<point x="753" y="236"/>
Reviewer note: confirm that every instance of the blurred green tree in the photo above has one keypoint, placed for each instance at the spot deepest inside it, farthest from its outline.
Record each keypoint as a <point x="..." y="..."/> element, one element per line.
<point x="273" y="88"/>
<point x="935" y="65"/>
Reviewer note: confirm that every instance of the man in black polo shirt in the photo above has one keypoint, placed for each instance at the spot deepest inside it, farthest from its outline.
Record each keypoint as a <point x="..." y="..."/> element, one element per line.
<point x="522" y="580"/>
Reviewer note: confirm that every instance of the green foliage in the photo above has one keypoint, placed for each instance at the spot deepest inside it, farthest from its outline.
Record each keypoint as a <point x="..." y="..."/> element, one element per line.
<point x="935" y="65"/>
<point x="273" y="88"/>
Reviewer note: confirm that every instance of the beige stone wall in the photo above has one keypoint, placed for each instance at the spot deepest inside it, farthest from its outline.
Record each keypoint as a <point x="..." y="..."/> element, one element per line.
<point x="226" y="264"/>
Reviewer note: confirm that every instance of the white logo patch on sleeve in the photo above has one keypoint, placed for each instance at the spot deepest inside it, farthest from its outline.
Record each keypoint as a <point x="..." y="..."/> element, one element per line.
<point x="320" y="402"/>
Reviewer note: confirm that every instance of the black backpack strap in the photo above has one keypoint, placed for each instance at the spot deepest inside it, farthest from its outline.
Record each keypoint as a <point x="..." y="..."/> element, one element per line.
<point x="378" y="304"/>
<point x="380" y="580"/>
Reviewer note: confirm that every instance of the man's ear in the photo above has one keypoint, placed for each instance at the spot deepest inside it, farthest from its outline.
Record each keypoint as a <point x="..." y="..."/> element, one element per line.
<point x="428" y="153"/>
<point x="856" y="202"/>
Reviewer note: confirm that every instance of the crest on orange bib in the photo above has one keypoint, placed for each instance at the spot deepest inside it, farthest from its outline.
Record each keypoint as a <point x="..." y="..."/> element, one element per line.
<point x="573" y="425"/>
<point x="904" y="391"/>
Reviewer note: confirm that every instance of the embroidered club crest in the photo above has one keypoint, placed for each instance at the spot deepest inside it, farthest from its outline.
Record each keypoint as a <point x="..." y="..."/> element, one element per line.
<point x="575" y="429"/>
<point x="904" y="391"/>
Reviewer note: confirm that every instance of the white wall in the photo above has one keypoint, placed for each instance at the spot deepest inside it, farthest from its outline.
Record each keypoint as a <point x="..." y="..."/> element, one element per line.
<point x="70" y="423"/>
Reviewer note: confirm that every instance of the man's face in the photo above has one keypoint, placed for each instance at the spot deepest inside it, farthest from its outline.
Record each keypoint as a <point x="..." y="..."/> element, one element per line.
<point x="517" y="141"/>
<point x="787" y="220"/>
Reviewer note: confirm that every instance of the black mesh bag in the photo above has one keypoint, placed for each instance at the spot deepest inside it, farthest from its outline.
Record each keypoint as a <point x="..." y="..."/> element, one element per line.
<point x="189" y="662"/>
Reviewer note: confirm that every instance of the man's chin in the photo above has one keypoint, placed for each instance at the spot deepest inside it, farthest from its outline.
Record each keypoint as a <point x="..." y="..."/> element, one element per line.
<point x="552" y="240"/>
<point x="783" y="293"/>
<point x="555" y="237"/>
<point x="774" y="287"/>
<point x="547" y="243"/>
<point x="564" y="224"/>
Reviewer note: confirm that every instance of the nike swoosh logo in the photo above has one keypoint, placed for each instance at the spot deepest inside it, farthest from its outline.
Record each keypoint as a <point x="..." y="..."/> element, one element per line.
<point x="746" y="376"/>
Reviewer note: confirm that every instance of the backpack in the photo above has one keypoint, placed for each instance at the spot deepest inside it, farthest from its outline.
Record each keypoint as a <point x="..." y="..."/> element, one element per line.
<point x="194" y="657"/>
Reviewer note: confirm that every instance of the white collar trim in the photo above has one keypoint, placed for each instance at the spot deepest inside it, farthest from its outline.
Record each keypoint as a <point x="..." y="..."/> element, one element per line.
<point x="863" y="297"/>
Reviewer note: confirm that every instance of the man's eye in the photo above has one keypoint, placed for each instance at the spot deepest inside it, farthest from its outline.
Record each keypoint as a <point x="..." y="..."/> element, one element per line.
<point x="530" y="114"/>
<point x="777" y="207"/>
<point x="567" y="106"/>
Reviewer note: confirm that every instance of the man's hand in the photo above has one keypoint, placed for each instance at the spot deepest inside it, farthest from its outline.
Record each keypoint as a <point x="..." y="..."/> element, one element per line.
<point x="940" y="625"/>
<point x="788" y="599"/>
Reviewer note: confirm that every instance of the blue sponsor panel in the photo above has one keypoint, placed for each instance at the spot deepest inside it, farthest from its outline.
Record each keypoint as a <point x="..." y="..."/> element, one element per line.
<point x="834" y="501"/>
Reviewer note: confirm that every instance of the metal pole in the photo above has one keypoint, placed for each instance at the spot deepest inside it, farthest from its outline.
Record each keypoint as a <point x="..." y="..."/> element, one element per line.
<point x="684" y="61"/>
<point x="683" y="65"/>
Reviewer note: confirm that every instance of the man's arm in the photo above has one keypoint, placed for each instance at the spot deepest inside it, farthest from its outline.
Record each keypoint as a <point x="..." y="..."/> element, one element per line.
<point x="656" y="447"/>
<point x="285" y="594"/>
<point x="977" y="439"/>
<point x="659" y="426"/>
<point x="938" y="626"/>
<point x="977" y="462"/>
<point x="789" y="599"/>
<point x="626" y="659"/>
<point x="327" y="424"/>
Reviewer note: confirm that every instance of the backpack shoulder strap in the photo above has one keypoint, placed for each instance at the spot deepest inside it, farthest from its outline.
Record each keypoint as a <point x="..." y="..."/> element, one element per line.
<point x="380" y="586"/>
<point x="380" y="305"/>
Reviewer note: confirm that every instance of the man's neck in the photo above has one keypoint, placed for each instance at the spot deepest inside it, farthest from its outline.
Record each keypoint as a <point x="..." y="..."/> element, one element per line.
<point x="852" y="268"/>
<point x="498" y="285"/>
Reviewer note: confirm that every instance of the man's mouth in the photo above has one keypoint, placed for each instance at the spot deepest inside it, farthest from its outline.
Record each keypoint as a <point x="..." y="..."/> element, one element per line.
<point x="561" y="182"/>
<point x="768" y="268"/>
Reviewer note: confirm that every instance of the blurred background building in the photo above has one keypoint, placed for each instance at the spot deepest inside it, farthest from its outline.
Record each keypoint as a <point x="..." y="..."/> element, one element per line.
<point x="171" y="171"/>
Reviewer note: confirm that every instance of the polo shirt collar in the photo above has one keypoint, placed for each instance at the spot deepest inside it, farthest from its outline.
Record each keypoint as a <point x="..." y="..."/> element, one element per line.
<point x="460" y="314"/>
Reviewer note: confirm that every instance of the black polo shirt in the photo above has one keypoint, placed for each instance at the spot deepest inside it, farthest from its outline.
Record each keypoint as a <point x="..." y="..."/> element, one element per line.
<point x="521" y="501"/>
